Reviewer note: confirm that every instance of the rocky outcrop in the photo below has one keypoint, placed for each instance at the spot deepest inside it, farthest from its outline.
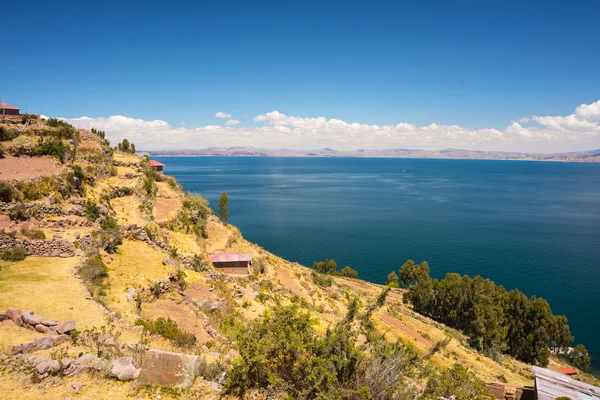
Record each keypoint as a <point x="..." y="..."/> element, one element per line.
<point x="124" y="369"/>
<point x="164" y="368"/>
<point x="57" y="247"/>
<point x="56" y="333"/>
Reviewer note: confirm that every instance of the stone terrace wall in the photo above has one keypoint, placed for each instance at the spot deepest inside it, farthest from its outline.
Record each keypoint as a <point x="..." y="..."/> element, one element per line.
<point x="57" y="247"/>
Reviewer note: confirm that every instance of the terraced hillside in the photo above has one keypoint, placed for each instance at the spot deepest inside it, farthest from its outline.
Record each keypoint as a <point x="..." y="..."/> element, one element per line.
<point x="94" y="236"/>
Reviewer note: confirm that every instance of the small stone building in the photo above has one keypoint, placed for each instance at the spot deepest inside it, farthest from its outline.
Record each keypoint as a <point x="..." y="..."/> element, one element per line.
<point x="7" y="109"/>
<point x="231" y="262"/>
<point x="158" y="166"/>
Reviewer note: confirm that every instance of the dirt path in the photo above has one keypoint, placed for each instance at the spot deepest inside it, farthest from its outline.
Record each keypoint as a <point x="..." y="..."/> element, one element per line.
<point x="396" y="323"/>
<point x="22" y="168"/>
<point x="290" y="282"/>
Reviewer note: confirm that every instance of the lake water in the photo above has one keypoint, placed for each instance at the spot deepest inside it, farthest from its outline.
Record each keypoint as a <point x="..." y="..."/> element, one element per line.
<point x="534" y="226"/>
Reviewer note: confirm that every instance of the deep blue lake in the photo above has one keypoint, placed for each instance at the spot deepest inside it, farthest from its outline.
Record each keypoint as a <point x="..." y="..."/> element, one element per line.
<point x="534" y="226"/>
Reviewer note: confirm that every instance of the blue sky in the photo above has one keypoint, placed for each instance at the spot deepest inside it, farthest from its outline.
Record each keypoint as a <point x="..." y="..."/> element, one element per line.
<point x="472" y="64"/>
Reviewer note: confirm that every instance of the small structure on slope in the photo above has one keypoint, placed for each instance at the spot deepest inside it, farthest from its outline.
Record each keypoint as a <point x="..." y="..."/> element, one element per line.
<point x="232" y="262"/>
<point x="7" y="109"/>
<point x="157" y="166"/>
<point x="550" y="385"/>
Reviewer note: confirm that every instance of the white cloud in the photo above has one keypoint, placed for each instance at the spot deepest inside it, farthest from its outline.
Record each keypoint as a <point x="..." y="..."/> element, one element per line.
<point x="221" y="114"/>
<point x="577" y="131"/>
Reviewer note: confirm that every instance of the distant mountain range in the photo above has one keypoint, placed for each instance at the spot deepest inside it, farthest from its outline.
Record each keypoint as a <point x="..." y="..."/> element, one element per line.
<point x="579" y="156"/>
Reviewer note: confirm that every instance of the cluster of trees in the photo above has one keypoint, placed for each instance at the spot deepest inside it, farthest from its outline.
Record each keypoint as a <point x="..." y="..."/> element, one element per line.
<point x="126" y="146"/>
<point x="329" y="267"/>
<point x="496" y="320"/>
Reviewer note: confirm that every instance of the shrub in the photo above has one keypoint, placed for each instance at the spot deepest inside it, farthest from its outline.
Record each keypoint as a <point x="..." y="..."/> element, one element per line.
<point x="54" y="147"/>
<point x="19" y="213"/>
<point x="8" y="192"/>
<point x="348" y="272"/>
<point x="321" y="279"/>
<point x="326" y="266"/>
<point x="33" y="233"/>
<point x="109" y="223"/>
<point x="580" y="357"/>
<point x="93" y="272"/>
<point x="92" y="210"/>
<point x="459" y="382"/>
<point x="13" y="254"/>
<point x="168" y="329"/>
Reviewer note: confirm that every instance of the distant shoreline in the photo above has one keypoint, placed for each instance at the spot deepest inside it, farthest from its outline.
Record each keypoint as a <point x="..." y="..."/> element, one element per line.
<point x="578" y="157"/>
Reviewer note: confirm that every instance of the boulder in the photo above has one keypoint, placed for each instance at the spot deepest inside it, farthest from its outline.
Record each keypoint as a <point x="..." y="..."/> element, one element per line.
<point x="76" y="386"/>
<point x="44" y="342"/>
<point x="164" y="368"/>
<point x="66" y="326"/>
<point x="14" y="315"/>
<point x="42" y="328"/>
<point x="59" y="339"/>
<point x="48" y="322"/>
<point x="124" y="369"/>
<point x="49" y="366"/>
<point x="8" y="322"/>
<point x="29" y="347"/>
<point x="30" y="319"/>
<point x="3" y="316"/>
<point x="85" y="363"/>
<point x="16" y="349"/>
<point x="169" y="262"/>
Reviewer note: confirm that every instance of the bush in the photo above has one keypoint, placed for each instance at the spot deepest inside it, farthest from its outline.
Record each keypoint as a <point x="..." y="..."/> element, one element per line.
<point x="19" y="213"/>
<point x="109" y="223"/>
<point x="348" y="272"/>
<point x="580" y="358"/>
<point x="459" y="382"/>
<point x="168" y="329"/>
<point x="8" y="192"/>
<point x="33" y="233"/>
<point x="321" y="279"/>
<point x="13" y="254"/>
<point x="92" y="210"/>
<point x="326" y="266"/>
<point x="93" y="272"/>
<point x="54" y="147"/>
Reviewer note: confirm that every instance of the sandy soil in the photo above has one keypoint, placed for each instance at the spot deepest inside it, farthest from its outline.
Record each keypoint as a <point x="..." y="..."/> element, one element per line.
<point x="22" y="168"/>
<point x="290" y="282"/>
<point x="406" y="329"/>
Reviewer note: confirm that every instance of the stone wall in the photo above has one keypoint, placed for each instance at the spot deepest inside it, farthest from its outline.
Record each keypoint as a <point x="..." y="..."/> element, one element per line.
<point x="57" y="247"/>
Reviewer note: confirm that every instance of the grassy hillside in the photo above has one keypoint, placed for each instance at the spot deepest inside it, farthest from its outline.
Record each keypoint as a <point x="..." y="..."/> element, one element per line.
<point x="140" y="255"/>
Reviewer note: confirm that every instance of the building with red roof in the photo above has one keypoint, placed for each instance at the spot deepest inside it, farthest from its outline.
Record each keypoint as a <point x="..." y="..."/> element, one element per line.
<point x="231" y="261"/>
<point x="7" y="109"/>
<point x="568" y="371"/>
<point x="158" y="166"/>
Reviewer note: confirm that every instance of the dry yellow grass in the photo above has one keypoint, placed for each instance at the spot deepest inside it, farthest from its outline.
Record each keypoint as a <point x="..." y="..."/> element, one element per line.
<point x="121" y="171"/>
<point x="185" y="243"/>
<point x="127" y="210"/>
<point x="136" y="265"/>
<point x="13" y="335"/>
<point x="120" y="156"/>
<point x="48" y="287"/>
<point x="165" y="209"/>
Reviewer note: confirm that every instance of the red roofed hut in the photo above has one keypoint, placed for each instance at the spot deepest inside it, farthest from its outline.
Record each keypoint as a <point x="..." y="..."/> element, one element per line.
<point x="158" y="166"/>
<point x="232" y="262"/>
<point x="7" y="109"/>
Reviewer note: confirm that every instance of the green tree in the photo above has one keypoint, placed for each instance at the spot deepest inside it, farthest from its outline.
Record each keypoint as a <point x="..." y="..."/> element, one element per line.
<point x="392" y="279"/>
<point x="326" y="266"/>
<point x="349" y="272"/>
<point x="580" y="358"/>
<point x="224" y="206"/>
<point x="410" y="272"/>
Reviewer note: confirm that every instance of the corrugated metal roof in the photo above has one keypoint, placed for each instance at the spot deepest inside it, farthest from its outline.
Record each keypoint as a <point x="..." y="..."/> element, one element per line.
<point x="551" y="385"/>
<point x="230" y="257"/>
<point x="8" y="107"/>
<point x="154" y="163"/>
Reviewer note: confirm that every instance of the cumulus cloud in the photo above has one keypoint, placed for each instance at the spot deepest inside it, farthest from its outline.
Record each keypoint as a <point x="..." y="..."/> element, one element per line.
<point x="577" y="131"/>
<point x="221" y="114"/>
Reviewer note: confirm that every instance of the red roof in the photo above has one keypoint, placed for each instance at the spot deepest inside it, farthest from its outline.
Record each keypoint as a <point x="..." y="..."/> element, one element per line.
<point x="230" y="257"/>
<point x="154" y="163"/>
<point x="568" y="371"/>
<point x="8" y="107"/>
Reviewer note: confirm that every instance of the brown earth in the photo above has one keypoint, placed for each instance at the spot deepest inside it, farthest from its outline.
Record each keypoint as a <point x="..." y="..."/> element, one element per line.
<point x="396" y="323"/>
<point x="21" y="168"/>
